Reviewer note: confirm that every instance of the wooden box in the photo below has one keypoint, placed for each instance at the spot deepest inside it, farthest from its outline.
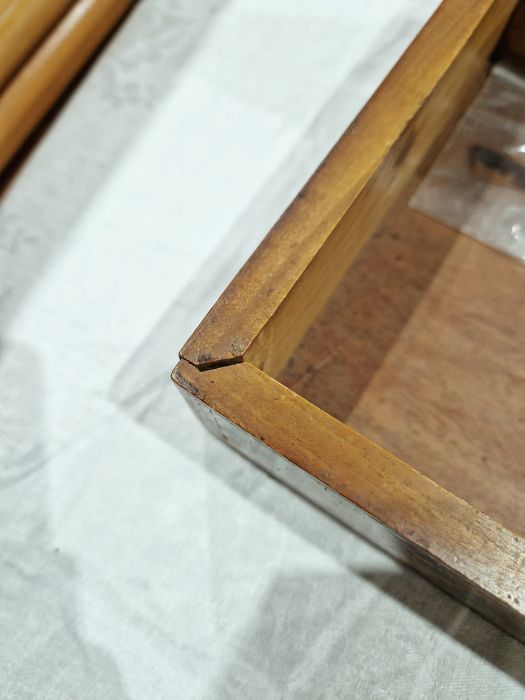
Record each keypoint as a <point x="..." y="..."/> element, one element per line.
<point x="374" y="359"/>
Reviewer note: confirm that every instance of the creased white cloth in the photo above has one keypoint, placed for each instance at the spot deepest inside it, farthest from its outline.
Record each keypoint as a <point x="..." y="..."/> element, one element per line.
<point x="140" y="557"/>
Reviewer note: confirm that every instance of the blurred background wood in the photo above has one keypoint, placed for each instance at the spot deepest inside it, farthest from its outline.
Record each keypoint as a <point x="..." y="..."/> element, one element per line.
<point x="23" y="25"/>
<point x="52" y="67"/>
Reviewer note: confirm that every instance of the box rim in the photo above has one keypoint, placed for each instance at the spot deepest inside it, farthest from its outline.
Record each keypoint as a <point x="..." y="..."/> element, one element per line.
<point x="234" y="323"/>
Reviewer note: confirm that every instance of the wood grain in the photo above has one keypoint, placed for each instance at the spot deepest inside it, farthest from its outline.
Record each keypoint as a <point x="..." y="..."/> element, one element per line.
<point x="23" y="24"/>
<point x="52" y="67"/>
<point x="466" y="552"/>
<point x="422" y="348"/>
<point x="338" y="209"/>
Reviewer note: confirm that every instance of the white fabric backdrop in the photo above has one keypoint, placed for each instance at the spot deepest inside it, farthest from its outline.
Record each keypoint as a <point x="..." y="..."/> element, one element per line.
<point x="140" y="558"/>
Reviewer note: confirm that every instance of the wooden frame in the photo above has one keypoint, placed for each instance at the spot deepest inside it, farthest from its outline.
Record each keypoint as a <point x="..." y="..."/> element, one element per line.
<point x="228" y="366"/>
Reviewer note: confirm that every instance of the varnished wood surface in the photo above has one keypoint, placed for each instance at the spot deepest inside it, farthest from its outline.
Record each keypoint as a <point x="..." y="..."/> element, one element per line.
<point x="23" y="24"/>
<point x="52" y="67"/>
<point x="422" y="348"/>
<point x="387" y="501"/>
<point x="336" y="211"/>
<point x="251" y="332"/>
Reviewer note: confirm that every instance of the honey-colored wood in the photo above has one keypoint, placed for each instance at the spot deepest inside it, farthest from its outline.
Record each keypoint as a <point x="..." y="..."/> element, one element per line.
<point x="304" y="256"/>
<point x="393" y="505"/>
<point x="417" y="346"/>
<point x="422" y="349"/>
<point x="23" y="24"/>
<point x="48" y="72"/>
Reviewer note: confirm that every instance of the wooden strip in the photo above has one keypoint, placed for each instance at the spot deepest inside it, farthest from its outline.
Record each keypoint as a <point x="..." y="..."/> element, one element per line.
<point x="386" y="141"/>
<point x="464" y="551"/>
<point x="52" y="67"/>
<point x="23" y="24"/>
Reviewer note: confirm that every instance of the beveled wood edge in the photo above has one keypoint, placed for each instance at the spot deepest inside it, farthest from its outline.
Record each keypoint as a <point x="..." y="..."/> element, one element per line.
<point x="263" y="284"/>
<point x="463" y="550"/>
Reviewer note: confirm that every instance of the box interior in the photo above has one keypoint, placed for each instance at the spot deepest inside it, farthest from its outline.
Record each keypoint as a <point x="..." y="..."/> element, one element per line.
<point x="422" y="349"/>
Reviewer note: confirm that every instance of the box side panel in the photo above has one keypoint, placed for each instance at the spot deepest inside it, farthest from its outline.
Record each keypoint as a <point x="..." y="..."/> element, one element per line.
<point x="396" y="508"/>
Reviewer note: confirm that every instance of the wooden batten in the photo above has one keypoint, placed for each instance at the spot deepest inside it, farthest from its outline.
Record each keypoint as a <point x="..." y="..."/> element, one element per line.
<point x="23" y="25"/>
